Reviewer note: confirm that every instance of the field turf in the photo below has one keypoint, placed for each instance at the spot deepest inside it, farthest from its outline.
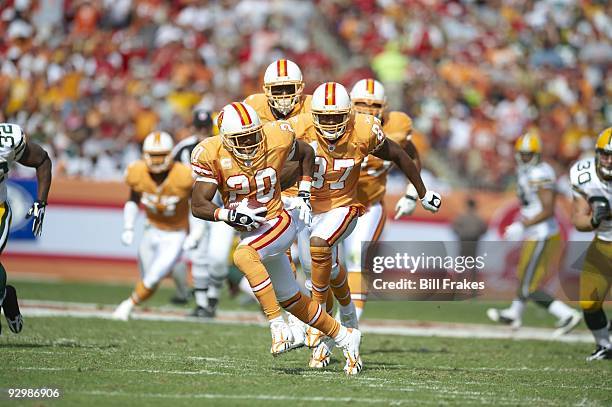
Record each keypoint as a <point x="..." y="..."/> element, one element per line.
<point x="97" y="362"/>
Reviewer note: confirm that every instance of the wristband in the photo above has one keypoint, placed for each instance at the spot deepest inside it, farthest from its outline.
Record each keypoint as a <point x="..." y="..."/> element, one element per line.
<point x="305" y="184"/>
<point x="221" y="214"/>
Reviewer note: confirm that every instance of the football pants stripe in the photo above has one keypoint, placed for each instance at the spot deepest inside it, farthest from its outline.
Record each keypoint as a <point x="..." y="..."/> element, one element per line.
<point x="352" y="213"/>
<point x="284" y="220"/>
<point x="532" y="266"/>
<point x="5" y="223"/>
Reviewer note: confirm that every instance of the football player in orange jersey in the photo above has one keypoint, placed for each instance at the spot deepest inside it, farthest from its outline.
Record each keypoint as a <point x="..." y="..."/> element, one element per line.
<point x="342" y="139"/>
<point x="163" y="187"/>
<point x="282" y="99"/>
<point x="368" y="97"/>
<point x="244" y="165"/>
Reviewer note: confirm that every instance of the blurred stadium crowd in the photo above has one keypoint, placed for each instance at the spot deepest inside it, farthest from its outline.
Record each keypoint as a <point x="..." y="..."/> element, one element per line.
<point x="89" y="79"/>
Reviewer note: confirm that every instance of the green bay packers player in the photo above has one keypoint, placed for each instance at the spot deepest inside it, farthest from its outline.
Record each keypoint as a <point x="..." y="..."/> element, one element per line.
<point x="163" y="187"/>
<point x="14" y="147"/>
<point x="244" y="164"/>
<point x="368" y="97"/>
<point x="342" y="139"/>
<point x="539" y="231"/>
<point x="591" y="181"/>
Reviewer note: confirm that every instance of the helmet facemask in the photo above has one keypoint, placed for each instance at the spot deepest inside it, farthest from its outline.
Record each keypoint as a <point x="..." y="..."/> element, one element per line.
<point x="526" y="159"/>
<point x="331" y="124"/>
<point x="158" y="162"/>
<point x="284" y="96"/>
<point x="245" y="145"/>
<point x="603" y="163"/>
<point x="372" y="107"/>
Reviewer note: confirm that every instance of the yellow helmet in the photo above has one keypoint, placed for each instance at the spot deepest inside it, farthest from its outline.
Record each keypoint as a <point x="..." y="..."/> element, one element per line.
<point x="604" y="146"/>
<point x="528" y="143"/>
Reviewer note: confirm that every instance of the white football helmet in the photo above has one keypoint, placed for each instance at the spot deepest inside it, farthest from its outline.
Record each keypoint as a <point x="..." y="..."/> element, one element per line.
<point x="240" y="130"/>
<point x="157" y="151"/>
<point x="331" y="110"/>
<point x="368" y="96"/>
<point x="283" y="85"/>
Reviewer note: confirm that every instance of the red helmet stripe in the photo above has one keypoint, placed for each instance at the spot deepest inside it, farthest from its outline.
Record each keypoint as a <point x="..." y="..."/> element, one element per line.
<point x="245" y="118"/>
<point x="330" y="93"/>
<point x="281" y="67"/>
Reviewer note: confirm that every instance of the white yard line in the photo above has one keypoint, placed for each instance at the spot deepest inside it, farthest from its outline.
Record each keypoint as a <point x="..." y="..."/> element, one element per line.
<point x="36" y="308"/>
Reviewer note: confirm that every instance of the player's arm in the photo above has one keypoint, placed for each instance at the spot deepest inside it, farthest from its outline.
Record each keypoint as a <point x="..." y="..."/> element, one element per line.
<point x="202" y="196"/>
<point x="35" y="156"/>
<point x="547" y="198"/>
<point x="581" y="214"/>
<point x="130" y="213"/>
<point x="391" y="151"/>
<point x="412" y="151"/>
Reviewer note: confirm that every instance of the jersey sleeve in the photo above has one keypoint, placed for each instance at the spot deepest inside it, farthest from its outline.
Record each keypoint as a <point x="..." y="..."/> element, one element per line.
<point x="542" y="176"/>
<point x="376" y="136"/>
<point x="203" y="163"/>
<point x="132" y="176"/>
<point x="575" y="182"/>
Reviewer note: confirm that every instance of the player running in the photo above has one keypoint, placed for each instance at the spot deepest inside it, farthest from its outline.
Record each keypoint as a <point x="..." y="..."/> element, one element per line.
<point x="539" y="231"/>
<point x="163" y="187"/>
<point x="244" y="165"/>
<point x="14" y="147"/>
<point x="591" y="181"/>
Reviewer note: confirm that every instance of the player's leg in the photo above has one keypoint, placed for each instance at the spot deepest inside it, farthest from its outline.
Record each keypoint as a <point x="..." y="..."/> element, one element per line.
<point x="567" y="317"/>
<point x="595" y="283"/>
<point x="8" y="294"/>
<point x="179" y="276"/>
<point x="369" y="229"/>
<point x="311" y="313"/>
<point x="220" y="243"/>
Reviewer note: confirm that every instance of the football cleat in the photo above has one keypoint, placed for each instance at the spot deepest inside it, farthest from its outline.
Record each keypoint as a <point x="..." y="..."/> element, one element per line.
<point x="565" y="325"/>
<point x="504" y="316"/>
<point x="123" y="311"/>
<point x="298" y="329"/>
<point x="600" y="353"/>
<point x="313" y="337"/>
<point x="203" y="312"/>
<point x="350" y="348"/>
<point x="282" y="338"/>
<point x="11" y="310"/>
<point x="321" y="355"/>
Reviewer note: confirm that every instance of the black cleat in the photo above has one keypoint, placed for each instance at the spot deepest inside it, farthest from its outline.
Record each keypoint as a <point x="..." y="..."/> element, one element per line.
<point x="600" y="353"/>
<point x="177" y="300"/>
<point x="11" y="310"/>
<point x="203" y="312"/>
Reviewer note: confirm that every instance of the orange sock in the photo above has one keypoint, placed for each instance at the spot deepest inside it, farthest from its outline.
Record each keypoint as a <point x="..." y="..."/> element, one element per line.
<point x="248" y="262"/>
<point x="329" y="303"/>
<point x="321" y="269"/>
<point x="359" y="288"/>
<point x="311" y="313"/>
<point x="141" y="293"/>
<point x="340" y="287"/>
<point x="293" y="268"/>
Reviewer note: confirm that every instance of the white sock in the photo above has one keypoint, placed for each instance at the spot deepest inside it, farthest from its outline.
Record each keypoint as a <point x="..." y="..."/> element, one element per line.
<point x="201" y="298"/>
<point x="602" y="336"/>
<point x="213" y="291"/>
<point x="517" y="307"/>
<point x="342" y="333"/>
<point x="559" y="309"/>
<point x="359" y="311"/>
<point x="347" y="309"/>
<point x="277" y="320"/>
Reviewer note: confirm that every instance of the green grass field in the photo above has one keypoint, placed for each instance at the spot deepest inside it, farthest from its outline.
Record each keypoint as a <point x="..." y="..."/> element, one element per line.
<point x="103" y="362"/>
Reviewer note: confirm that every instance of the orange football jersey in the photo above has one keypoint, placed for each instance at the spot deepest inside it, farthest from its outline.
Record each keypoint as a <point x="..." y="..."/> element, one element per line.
<point x="337" y="165"/>
<point x="166" y="205"/>
<point x="259" y="102"/>
<point x="259" y="182"/>
<point x="373" y="179"/>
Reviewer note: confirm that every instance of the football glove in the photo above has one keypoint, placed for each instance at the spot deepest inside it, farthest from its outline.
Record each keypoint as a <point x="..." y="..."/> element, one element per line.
<point x="243" y="216"/>
<point x="37" y="210"/>
<point x="600" y="208"/>
<point x="431" y="201"/>
<point x="514" y="231"/>
<point x="127" y="237"/>
<point x="407" y="204"/>
<point x="303" y="203"/>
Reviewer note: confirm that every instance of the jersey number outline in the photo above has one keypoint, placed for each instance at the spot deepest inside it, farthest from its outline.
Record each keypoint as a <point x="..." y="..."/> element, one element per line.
<point x="265" y="183"/>
<point x="585" y="176"/>
<point x="321" y="164"/>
